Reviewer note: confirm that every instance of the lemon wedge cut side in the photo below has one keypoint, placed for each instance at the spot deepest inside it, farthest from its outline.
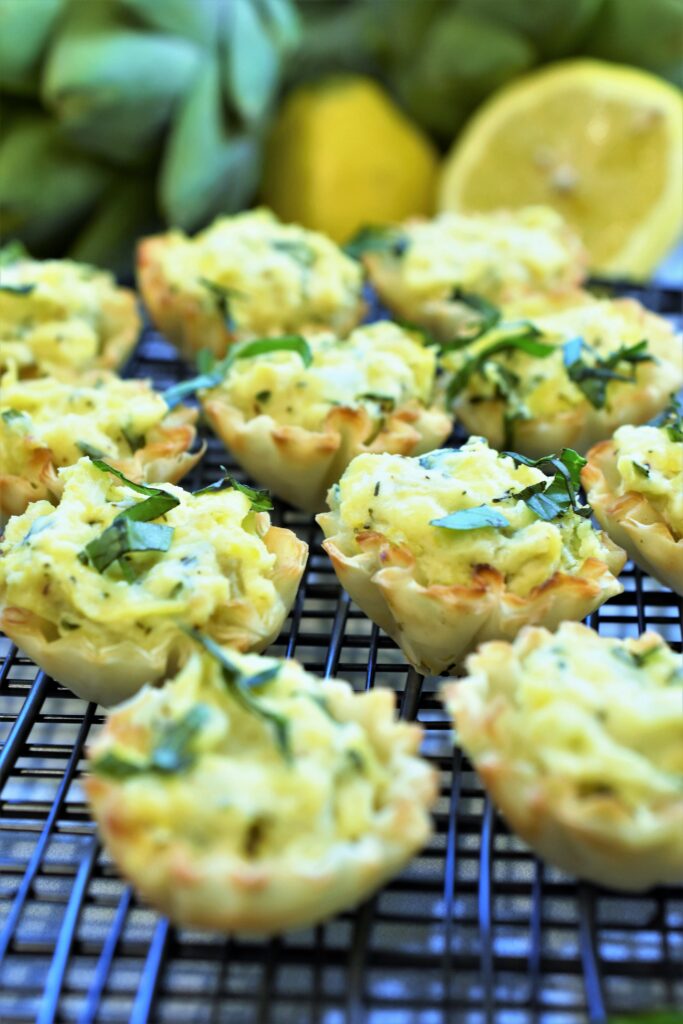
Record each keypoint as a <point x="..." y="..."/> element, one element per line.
<point x="601" y="143"/>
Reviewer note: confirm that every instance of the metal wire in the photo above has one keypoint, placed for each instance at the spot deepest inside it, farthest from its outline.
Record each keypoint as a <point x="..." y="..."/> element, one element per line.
<point x="474" y="930"/>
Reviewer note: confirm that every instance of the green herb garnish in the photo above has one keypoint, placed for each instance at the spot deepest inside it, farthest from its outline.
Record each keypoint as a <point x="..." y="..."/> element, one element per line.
<point x="391" y="241"/>
<point x="241" y="685"/>
<point x="90" y="450"/>
<point x="172" y="752"/>
<point x="524" y="341"/>
<point x="472" y="519"/>
<point x="18" y="289"/>
<point x="640" y="468"/>
<point x="671" y="419"/>
<point x="488" y="315"/>
<point x="387" y="402"/>
<point x="223" y="295"/>
<point x="260" y="500"/>
<point x="636" y="659"/>
<point x="300" y="252"/>
<point x="593" y="377"/>
<point x="213" y="372"/>
<point x="13" y="252"/>
<point x="11" y="416"/>
<point x="131" y="530"/>
<point x="559" y="495"/>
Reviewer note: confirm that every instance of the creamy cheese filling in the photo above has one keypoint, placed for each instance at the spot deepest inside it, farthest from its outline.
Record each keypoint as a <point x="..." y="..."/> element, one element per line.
<point x="241" y="794"/>
<point x="399" y="497"/>
<point x="379" y="367"/>
<point x="51" y="314"/>
<point x="217" y="555"/>
<point x="273" y="276"/>
<point x="651" y="463"/>
<point x="110" y="416"/>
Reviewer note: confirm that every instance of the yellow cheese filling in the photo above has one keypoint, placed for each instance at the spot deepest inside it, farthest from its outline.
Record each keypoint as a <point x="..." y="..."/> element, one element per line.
<point x="601" y="713"/>
<point x="496" y="255"/>
<point x="380" y="367"/>
<point x="110" y="416"/>
<point x="651" y="463"/>
<point x="216" y="555"/>
<point x="244" y="786"/>
<point x="399" y="497"/>
<point x="577" y="372"/>
<point x="266" y="276"/>
<point x="51" y="314"/>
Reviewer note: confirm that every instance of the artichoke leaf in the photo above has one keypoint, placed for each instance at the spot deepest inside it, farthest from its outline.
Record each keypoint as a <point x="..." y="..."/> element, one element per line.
<point x="24" y="31"/>
<point x="251" y="66"/>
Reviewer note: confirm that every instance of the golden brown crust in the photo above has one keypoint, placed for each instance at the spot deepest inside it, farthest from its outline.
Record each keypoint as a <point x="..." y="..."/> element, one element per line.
<point x="591" y="836"/>
<point x="300" y="465"/>
<point x="122" y="326"/>
<point x="165" y="458"/>
<point x="180" y="316"/>
<point x="631" y="520"/>
<point x="436" y="626"/>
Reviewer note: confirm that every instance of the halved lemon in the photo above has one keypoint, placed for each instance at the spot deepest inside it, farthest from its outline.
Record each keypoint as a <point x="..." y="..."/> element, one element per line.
<point x="601" y="143"/>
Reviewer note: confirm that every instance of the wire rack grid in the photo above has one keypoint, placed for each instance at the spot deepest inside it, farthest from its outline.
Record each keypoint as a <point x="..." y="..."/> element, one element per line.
<point x="475" y="930"/>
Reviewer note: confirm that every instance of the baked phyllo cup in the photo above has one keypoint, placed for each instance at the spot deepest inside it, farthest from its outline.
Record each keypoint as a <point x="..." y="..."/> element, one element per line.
<point x="451" y="274"/>
<point x="461" y="546"/>
<point x="99" y="591"/>
<point x="59" y="318"/>
<point x="294" y="413"/>
<point x="47" y="424"/>
<point x="634" y="484"/>
<point x="577" y="739"/>
<point x="247" y="276"/>
<point x="249" y="796"/>
<point x="568" y="376"/>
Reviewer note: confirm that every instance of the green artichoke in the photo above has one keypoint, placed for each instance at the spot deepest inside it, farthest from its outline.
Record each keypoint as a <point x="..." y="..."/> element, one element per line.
<point x="122" y="115"/>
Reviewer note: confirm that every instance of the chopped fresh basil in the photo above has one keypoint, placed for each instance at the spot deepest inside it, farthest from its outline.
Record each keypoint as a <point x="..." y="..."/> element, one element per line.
<point x="641" y="469"/>
<point x="260" y="500"/>
<point x="636" y="659"/>
<point x="172" y="752"/>
<point x="488" y="315"/>
<point x="223" y="295"/>
<point x="124" y="536"/>
<point x="263" y="396"/>
<point x="387" y="240"/>
<point x="241" y="685"/>
<point x="11" y="416"/>
<point x="300" y="252"/>
<point x="671" y="419"/>
<point x="593" y="377"/>
<point x="526" y="340"/>
<point x="135" y="441"/>
<point x="90" y="450"/>
<point x="472" y="519"/>
<point x="13" y="252"/>
<point x="131" y="530"/>
<point x="560" y="494"/>
<point x="387" y="402"/>
<point x="18" y="289"/>
<point x="215" y="371"/>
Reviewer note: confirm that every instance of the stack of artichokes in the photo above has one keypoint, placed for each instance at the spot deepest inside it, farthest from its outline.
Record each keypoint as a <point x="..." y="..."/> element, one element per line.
<point x="118" y="115"/>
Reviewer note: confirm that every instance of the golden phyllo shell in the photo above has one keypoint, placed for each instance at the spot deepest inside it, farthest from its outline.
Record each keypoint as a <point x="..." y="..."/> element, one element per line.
<point x="249" y="796"/>
<point x="577" y="738"/>
<point x="247" y="276"/>
<point x="60" y="318"/>
<point x="47" y="424"/>
<point x="642" y="510"/>
<point x="295" y="425"/>
<point x="438" y="591"/>
<point x="100" y="596"/>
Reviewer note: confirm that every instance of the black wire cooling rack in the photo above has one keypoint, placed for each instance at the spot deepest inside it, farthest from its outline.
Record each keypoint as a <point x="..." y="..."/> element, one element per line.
<point x="475" y="930"/>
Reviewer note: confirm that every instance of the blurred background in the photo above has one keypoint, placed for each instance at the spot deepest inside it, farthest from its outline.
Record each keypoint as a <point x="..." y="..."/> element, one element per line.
<point x="121" y="117"/>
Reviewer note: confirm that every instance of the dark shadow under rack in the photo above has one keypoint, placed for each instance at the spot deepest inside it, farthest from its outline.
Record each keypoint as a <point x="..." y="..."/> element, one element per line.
<point x="475" y="930"/>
